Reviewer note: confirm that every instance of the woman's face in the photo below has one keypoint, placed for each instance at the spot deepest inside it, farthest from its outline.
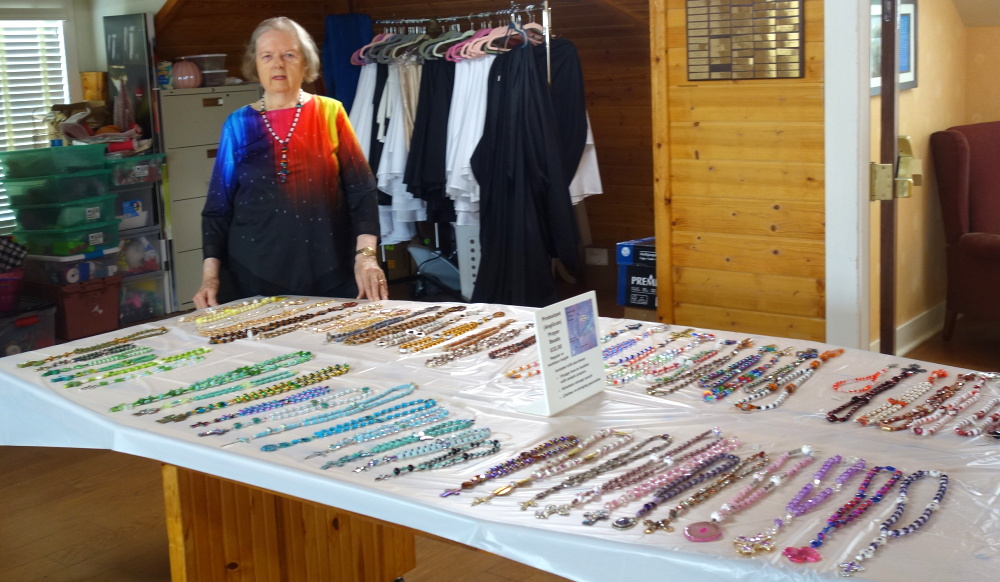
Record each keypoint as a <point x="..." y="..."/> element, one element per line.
<point x="281" y="66"/>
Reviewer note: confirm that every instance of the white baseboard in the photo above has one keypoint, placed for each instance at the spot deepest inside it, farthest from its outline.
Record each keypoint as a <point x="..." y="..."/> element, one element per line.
<point x="916" y="331"/>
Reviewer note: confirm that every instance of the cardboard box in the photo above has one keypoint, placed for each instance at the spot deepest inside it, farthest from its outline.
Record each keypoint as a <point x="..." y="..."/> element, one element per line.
<point x="637" y="273"/>
<point x="599" y="270"/>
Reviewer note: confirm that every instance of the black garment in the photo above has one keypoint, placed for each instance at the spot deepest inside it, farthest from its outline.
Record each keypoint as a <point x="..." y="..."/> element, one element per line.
<point x="569" y="99"/>
<point x="526" y="216"/>
<point x="425" y="164"/>
<point x="375" y="146"/>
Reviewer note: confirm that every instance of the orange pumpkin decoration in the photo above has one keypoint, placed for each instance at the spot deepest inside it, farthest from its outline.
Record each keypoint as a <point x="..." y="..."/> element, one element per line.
<point x="187" y="75"/>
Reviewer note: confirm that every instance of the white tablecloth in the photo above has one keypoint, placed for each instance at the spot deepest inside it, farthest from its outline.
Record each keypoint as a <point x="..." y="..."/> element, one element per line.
<point x="962" y="541"/>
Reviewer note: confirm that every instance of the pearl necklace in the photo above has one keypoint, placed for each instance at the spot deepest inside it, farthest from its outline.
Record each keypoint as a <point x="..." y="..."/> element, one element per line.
<point x="283" y="172"/>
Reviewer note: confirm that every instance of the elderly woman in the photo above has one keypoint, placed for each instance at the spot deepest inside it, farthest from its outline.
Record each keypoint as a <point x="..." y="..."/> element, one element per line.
<point x="291" y="207"/>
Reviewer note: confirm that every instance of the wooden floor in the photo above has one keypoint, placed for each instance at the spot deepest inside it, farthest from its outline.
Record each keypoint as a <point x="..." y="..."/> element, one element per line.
<point x="71" y="515"/>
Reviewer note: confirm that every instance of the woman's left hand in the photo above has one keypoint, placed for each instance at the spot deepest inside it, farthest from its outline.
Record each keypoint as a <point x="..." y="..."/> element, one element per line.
<point x="371" y="280"/>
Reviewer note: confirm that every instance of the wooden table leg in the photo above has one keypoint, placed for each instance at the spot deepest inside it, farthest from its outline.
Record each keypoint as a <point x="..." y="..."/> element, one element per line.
<point x="229" y="531"/>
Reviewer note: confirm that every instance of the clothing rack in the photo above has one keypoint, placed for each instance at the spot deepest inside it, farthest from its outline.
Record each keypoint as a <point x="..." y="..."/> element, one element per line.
<point x="510" y="12"/>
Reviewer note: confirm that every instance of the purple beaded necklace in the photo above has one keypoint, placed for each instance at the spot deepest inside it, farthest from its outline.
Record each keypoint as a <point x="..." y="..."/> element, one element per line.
<point x="798" y="506"/>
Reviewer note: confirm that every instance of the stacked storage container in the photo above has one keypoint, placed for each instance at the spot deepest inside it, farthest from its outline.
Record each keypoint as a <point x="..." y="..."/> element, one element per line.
<point x="141" y="260"/>
<point x="65" y="217"/>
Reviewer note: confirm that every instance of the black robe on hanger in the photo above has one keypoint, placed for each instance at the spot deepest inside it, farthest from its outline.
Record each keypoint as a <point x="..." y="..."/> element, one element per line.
<point x="569" y="96"/>
<point x="425" y="164"/>
<point x="526" y="216"/>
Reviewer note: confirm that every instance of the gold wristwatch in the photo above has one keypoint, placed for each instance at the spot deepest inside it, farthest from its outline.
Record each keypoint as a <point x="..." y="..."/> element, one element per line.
<point x="366" y="251"/>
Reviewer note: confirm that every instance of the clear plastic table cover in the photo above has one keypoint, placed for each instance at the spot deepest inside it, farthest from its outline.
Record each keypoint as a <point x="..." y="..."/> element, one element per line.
<point x="961" y="541"/>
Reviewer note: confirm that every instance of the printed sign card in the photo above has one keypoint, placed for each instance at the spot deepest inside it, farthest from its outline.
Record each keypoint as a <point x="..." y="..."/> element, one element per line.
<point x="569" y="354"/>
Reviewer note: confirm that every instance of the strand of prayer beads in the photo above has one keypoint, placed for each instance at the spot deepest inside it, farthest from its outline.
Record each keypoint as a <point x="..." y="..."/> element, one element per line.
<point x="674" y="382"/>
<point x="650" y="368"/>
<point x="315" y="395"/>
<point x="893" y="405"/>
<point x="928" y="407"/>
<point x="985" y="412"/>
<point x="888" y="532"/>
<point x="343" y="319"/>
<point x="539" y="452"/>
<point x="564" y="461"/>
<point x="141" y="334"/>
<point x="427" y="448"/>
<point x="206" y="324"/>
<point x="223" y="311"/>
<point x="850" y="511"/>
<point x="446" y="427"/>
<point x="460" y="454"/>
<point x="165" y="365"/>
<point x="234" y="375"/>
<point x="779" y="375"/>
<point x="281" y="375"/>
<point x="613" y="334"/>
<point x="799" y="505"/>
<point x="331" y="401"/>
<point x="129" y="351"/>
<point x="728" y="387"/>
<point x="368" y="402"/>
<point x="289" y="309"/>
<point x="254" y="332"/>
<point x="744" y="468"/>
<point x="392" y="318"/>
<point x="946" y="412"/>
<point x="762" y="484"/>
<point x="388" y="414"/>
<point x="265" y="392"/>
<point x="410" y="321"/>
<point x="790" y="386"/>
<point x="511" y="349"/>
<point x="525" y="371"/>
<point x="858" y="401"/>
<point x="417" y="419"/>
<point x="421" y="331"/>
<point x="869" y="378"/>
<point x="445" y="335"/>
<point x="484" y="343"/>
<point x="115" y="364"/>
<point x="302" y="324"/>
<point x="135" y="370"/>
<point x="84" y="359"/>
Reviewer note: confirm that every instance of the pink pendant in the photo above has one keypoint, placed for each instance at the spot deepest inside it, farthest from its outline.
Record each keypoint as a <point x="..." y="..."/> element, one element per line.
<point x="703" y="531"/>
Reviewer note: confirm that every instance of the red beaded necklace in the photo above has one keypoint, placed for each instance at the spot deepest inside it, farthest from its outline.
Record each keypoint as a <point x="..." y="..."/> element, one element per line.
<point x="283" y="171"/>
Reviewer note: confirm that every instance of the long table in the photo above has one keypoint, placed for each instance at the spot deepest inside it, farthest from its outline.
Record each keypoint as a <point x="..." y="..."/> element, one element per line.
<point x="962" y="541"/>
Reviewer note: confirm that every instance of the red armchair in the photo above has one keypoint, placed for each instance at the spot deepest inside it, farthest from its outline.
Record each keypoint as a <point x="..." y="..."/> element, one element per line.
<point x="967" y="164"/>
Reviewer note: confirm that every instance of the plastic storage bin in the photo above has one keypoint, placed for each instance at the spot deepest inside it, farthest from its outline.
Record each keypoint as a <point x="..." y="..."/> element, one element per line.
<point x="64" y="214"/>
<point x="65" y="242"/>
<point x="30" y="326"/>
<point x="214" y="78"/>
<point x="141" y="251"/>
<point x="137" y="169"/>
<point x="83" y="309"/>
<point x="142" y="297"/>
<point x="134" y="206"/>
<point x="48" y="161"/>
<point x="57" y="188"/>
<point x="208" y="62"/>
<point x="71" y="270"/>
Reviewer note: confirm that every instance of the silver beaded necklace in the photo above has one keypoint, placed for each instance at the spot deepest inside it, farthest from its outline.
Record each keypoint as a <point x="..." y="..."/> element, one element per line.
<point x="283" y="164"/>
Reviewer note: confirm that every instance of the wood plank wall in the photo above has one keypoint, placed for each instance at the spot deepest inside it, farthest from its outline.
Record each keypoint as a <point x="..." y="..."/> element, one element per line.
<point x="740" y="192"/>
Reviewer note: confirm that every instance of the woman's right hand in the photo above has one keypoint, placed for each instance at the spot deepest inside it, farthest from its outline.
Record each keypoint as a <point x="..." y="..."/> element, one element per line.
<point x="207" y="295"/>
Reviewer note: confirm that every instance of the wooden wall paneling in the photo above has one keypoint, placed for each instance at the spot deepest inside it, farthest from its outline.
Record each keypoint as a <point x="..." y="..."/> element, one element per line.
<point x="658" y="78"/>
<point x="748" y="179"/>
<point x="764" y="293"/>
<point x="751" y="322"/>
<point x="224" y="530"/>
<point x="749" y="254"/>
<point x="759" y="217"/>
<point x="775" y="140"/>
<point x="761" y="103"/>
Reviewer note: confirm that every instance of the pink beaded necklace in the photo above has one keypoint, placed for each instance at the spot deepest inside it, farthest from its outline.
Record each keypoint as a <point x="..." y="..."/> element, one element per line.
<point x="283" y="163"/>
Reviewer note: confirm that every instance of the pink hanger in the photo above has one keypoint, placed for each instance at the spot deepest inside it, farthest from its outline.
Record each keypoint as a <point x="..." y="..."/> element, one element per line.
<point x="454" y="52"/>
<point x="358" y="58"/>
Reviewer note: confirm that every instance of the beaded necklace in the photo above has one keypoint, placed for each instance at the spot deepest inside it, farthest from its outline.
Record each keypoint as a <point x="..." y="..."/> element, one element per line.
<point x="388" y="319"/>
<point x="511" y="349"/>
<point x="869" y="378"/>
<point x="633" y="476"/>
<point x="526" y="458"/>
<point x="780" y="375"/>
<point x="115" y="364"/>
<point x="749" y="494"/>
<point x="459" y="454"/>
<point x="221" y="312"/>
<point x="436" y="445"/>
<point x="112" y="354"/>
<point x="417" y="418"/>
<point x="793" y="382"/>
<point x="450" y="333"/>
<point x="799" y="506"/>
<point x="369" y="401"/>
<point x="929" y="406"/>
<point x="216" y="393"/>
<point x="335" y="322"/>
<point x="385" y="415"/>
<point x="164" y="364"/>
<point x="847" y="513"/>
<point x="896" y="404"/>
<point x="681" y="466"/>
<point x="961" y="430"/>
<point x="141" y="334"/>
<point x="743" y="468"/>
<point x="437" y="430"/>
<point x="650" y="368"/>
<point x="83" y="359"/>
<point x="858" y="401"/>
<point x="945" y="413"/>
<point x="321" y="403"/>
<point x="564" y="461"/>
<point x="267" y="330"/>
<point x="885" y="533"/>
<point x="220" y="379"/>
<point x="740" y="373"/>
<point x="675" y="382"/>
<point x="209" y="326"/>
<point x="283" y="163"/>
<point x="316" y="396"/>
<point x="253" y="319"/>
<point x="421" y="331"/>
<point x="120" y="359"/>
<point x="483" y="343"/>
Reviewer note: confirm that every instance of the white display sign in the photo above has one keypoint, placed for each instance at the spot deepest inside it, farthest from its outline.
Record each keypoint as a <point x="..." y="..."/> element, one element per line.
<point x="569" y="354"/>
